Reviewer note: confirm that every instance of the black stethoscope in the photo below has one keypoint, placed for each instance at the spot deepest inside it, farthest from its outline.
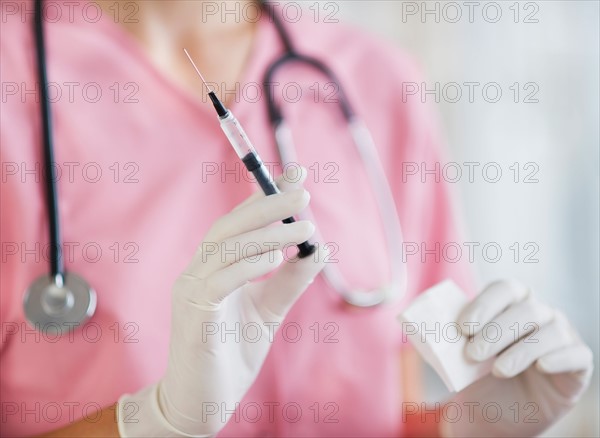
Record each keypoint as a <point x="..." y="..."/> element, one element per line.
<point x="61" y="301"/>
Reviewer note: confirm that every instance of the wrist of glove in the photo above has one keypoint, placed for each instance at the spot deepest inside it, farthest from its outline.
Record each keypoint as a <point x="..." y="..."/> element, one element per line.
<point x="540" y="371"/>
<point x="218" y="293"/>
<point x="140" y="415"/>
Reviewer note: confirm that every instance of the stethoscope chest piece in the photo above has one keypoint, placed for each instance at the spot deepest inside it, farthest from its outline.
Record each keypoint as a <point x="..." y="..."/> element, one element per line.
<point x="59" y="305"/>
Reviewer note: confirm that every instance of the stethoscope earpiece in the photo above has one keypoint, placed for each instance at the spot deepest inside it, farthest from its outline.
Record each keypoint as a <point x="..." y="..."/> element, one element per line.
<point x="55" y="308"/>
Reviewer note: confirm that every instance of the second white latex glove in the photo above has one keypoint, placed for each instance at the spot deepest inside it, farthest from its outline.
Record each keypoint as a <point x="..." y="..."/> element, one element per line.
<point x="541" y="369"/>
<point x="222" y="323"/>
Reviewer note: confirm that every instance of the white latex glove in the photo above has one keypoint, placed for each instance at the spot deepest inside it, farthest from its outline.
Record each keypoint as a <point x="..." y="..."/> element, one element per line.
<point x="205" y="376"/>
<point x="535" y="379"/>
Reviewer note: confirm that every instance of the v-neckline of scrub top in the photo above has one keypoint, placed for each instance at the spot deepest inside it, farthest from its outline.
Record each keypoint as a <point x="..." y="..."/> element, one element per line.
<point x="255" y="59"/>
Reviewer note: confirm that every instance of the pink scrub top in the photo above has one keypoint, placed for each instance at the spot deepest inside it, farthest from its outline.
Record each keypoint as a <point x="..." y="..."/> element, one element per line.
<point x="145" y="170"/>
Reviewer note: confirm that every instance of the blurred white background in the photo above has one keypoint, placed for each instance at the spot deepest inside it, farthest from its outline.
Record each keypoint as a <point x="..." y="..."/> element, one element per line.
<point x="555" y="45"/>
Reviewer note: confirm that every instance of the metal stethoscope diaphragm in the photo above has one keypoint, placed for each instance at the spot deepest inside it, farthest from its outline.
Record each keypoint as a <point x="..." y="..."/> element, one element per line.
<point x="57" y="305"/>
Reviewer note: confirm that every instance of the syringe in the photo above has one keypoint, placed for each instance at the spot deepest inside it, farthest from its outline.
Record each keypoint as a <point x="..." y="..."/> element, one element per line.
<point x="244" y="149"/>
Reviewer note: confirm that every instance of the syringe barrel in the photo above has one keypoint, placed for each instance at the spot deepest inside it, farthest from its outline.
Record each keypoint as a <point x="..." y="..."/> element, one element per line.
<point x="236" y="135"/>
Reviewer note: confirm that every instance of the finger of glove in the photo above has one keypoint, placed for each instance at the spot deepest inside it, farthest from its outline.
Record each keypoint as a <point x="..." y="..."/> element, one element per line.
<point x="210" y="292"/>
<point x="286" y="183"/>
<point x="573" y="358"/>
<point x="293" y="178"/>
<point x="256" y="215"/>
<point x="517" y="358"/>
<point x="494" y="299"/>
<point x="216" y="256"/>
<point x="508" y="327"/>
<point x="274" y="296"/>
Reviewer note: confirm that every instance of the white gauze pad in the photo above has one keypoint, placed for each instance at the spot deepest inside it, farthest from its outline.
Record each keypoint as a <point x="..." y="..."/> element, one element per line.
<point x="430" y="324"/>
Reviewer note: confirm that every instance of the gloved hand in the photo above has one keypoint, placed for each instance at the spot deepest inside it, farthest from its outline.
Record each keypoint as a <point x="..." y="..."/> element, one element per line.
<point x="208" y="371"/>
<point x="541" y="369"/>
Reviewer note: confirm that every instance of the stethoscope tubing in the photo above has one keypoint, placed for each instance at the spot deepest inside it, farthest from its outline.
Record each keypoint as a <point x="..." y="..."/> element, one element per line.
<point x="51" y="192"/>
<point x="365" y="147"/>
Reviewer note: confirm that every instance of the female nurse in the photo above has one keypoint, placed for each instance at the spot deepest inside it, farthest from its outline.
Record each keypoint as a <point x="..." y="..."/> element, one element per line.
<point x="204" y="326"/>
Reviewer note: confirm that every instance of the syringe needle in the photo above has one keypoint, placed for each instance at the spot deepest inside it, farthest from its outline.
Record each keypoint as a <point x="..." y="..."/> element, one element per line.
<point x="219" y="107"/>
<point x="197" y="71"/>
